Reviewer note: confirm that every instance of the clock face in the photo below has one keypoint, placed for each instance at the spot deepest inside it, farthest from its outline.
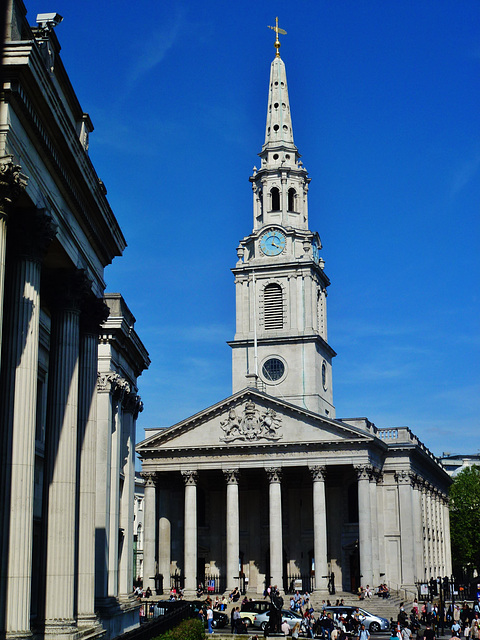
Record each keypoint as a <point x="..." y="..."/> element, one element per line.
<point x="272" y="243"/>
<point x="315" y="251"/>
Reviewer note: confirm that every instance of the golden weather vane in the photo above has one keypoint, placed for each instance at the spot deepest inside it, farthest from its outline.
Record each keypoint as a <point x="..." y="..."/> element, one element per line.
<point x="277" y="30"/>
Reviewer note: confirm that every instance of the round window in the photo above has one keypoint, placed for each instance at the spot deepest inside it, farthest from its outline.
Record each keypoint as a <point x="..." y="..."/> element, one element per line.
<point x="273" y="369"/>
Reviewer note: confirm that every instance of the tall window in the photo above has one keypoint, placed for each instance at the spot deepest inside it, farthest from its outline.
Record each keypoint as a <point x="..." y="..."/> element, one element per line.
<point x="275" y="193"/>
<point x="273" y="306"/>
<point x="291" y="199"/>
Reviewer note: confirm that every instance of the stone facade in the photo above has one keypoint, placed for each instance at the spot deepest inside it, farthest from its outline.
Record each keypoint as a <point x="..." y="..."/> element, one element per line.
<point x="58" y="330"/>
<point x="267" y="485"/>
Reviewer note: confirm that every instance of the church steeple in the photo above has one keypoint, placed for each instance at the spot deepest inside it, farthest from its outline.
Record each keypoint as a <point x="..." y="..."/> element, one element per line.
<point x="278" y="131"/>
<point x="281" y="338"/>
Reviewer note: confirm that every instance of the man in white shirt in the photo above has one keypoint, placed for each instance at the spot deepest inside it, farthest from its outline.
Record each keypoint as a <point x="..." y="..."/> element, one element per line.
<point x="210" y="619"/>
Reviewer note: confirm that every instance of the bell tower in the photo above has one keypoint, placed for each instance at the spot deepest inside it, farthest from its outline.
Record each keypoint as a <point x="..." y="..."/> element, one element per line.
<point x="280" y="344"/>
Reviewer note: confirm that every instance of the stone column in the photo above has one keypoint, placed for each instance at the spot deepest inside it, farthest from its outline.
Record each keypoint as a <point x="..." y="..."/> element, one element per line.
<point x="417" y="517"/>
<point x="374" y="530"/>
<point x="275" y="524"/>
<point x="233" y="528"/>
<point x="381" y="527"/>
<point x="437" y="530"/>
<point x="407" y="537"/>
<point x="106" y="387"/>
<point x="190" y="537"/>
<point x="122" y="390"/>
<point x="164" y="537"/>
<point x="441" y="533"/>
<point x="426" y="555"/>
<point x="31" y="233"/>
<point x="149" y="530"/>
<point x="61" y="454"/>
<point x="320" y="528"/>
<point x="12" y="184"/>
<point x="132" y="405"/>
<point x="448" y="548"/>
<point x="93" y="314"/>
<point x="364" y="528"/>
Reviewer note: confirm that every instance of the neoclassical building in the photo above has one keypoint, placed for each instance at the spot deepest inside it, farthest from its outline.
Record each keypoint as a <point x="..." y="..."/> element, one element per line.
<point x="70" y="359"/>
<point x="268" y="485"/>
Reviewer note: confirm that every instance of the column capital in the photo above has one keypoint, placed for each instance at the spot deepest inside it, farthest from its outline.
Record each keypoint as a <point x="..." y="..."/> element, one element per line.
<point x="150" y="477"/>
<point x="113" y="383"/>
<point x="319" y="472"/>
<point x="274" y="474"/>
<point x="94" y="313"/>
<point x="403" y="477"/>
<point x="12" y="183"/>
<point x="363" y="471"/>
<point x="68" y="288"/>
<point x="231" y="475"/>
<point x="132" y="403"/>
<point x="190" y="477"/>
<point x="31" y="231"/>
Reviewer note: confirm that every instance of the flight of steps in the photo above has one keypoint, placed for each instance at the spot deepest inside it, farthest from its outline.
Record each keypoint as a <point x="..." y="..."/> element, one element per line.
<point x="384" y="607"/>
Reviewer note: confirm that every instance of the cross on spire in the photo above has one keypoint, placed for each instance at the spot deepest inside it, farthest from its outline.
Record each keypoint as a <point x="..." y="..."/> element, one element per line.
<point x="277" y="30"/>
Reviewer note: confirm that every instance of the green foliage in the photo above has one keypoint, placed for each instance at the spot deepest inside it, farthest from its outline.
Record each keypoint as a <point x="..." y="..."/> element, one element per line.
<point x="186" y="630"/>
<point x="465" y="519"/>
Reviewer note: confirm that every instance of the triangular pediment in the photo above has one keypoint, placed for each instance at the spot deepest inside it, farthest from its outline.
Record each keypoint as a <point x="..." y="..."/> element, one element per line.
<point x="251" y="418"/>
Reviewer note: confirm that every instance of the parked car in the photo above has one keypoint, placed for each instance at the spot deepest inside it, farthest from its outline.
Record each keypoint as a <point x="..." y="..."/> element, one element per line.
<point x="252" y="608"/>
<point x="220" y="619"/>
<point x="261" y="619"/>
<point x="372" y="622"/>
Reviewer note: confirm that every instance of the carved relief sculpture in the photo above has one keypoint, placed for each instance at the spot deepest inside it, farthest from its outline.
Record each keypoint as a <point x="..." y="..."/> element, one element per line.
<point x="253" y="424"/>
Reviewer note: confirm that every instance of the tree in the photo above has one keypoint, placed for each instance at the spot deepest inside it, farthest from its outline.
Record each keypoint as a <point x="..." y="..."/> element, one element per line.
<point x="465" y="520"/>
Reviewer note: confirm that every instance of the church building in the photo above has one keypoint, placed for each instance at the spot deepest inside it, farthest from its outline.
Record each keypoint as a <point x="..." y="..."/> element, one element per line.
<point x="268" y="486"/>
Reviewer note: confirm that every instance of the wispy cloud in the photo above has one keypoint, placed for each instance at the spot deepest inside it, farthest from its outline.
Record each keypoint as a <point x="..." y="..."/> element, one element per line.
<point x="154" y="47"/>
<point x="463" y="174"/>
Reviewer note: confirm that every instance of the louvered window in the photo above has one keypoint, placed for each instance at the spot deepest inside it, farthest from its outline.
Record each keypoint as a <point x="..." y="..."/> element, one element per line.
<point x="273" y="306"/>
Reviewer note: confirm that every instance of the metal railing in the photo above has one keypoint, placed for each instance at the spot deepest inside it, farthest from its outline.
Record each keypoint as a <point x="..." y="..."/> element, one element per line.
<point x="292" y="583"/>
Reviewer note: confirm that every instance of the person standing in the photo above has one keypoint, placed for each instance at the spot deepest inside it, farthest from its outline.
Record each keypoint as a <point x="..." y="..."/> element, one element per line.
<point x="236" y="619"/>
<point x="363" y="633"/>
<point x="210" y="618"/>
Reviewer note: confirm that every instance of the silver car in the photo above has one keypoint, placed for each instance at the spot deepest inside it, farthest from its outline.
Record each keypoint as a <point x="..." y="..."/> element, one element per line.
<point x="372" y="622"/>
<point x="261" y="619"/>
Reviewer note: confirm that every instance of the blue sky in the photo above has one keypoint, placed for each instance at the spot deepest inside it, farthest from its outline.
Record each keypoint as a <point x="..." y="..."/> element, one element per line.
<point x="385" y="106"/>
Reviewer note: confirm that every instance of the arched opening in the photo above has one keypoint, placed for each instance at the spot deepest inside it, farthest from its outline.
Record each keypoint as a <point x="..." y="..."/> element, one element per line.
<point x="275" y="195"/>
<point x="291" y="199"/>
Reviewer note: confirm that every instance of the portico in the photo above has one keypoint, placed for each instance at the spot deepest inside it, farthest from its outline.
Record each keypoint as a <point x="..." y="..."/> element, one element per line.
<point x="323" y="496"/>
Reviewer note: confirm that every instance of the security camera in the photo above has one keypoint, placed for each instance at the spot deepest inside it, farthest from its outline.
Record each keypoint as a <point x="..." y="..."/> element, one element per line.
<point x="48" y="19"/>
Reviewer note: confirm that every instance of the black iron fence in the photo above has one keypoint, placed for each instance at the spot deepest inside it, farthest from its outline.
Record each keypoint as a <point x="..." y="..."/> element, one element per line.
<point x="299" y="582"/>
<point x="214" y="584"/>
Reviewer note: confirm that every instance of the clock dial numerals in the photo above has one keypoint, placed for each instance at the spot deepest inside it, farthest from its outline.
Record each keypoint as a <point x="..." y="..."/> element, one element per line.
<point x="315" y="251"/>
<point x="272" y="243"/>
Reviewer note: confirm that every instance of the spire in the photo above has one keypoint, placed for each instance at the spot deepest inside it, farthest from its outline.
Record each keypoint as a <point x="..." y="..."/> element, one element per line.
<point x="278" y="132"/>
